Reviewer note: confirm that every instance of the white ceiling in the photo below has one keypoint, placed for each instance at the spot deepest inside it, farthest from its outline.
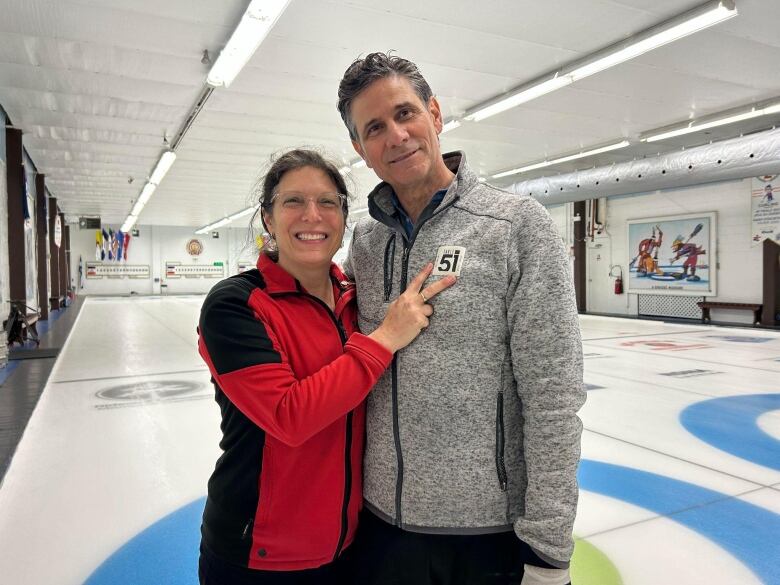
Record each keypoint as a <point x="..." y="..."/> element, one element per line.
<point x="96" y="84"/>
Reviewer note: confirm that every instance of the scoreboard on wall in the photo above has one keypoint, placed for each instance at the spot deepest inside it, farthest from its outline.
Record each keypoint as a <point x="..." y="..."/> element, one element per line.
<point x="112" y="270"/>
<point x="179" y="270"/>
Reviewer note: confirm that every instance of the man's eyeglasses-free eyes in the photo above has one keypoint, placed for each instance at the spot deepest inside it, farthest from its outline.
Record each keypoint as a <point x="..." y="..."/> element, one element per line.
<point x="298" y="201"/>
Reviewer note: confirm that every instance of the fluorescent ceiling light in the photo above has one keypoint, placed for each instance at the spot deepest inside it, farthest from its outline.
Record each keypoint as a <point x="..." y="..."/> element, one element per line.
<point x="212" y="226"/>
<point x="525" y="95"/>
<point x="451" y="125"/>
<point x="226" y="220"/>
<point x="676" y="28"/>
<point x="694" y="126"/>
<point x="258" y="19"/>
<point x="129" y="223"/>
<point x="146" y="193"/>
<point x="243" y="212"/>
<point x="563" y="159"/>
<point x="715" y="15"/>
<point x="358" y="164"/>
<point x="163" y="166"/>
<point x="344" y="170"/>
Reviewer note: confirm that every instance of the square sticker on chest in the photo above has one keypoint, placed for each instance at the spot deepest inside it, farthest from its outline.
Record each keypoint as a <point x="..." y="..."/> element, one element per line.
<point x="449" y="260"/>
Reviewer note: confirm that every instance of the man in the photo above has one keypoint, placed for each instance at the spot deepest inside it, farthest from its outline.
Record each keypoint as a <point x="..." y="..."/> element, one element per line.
<point x="472" y="435"/>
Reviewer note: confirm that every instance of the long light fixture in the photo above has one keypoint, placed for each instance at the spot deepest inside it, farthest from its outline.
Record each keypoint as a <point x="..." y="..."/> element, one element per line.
<point x="212" y="226"/>
<point x="451" y="125"/>
<point x="685" y="24"/>
<point x="163" y="166"/>
<point x="158" y="174"/>
<point x="146" y="194"/>
<point x="243" y="212"/>
<point x="258" y="19"/>
<point x="567" y="158"/>
<point x="531" y="92"/>
<point x="228" y="219"/>
<point x="712" y="121"/>
<point x="129" y="223"/>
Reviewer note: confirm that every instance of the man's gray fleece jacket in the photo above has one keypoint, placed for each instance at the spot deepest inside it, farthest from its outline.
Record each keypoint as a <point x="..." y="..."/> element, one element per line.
<point x="473" y="429"/>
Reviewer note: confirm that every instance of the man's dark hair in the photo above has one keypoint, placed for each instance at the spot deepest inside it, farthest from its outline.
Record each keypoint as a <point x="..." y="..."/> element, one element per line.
<point x="363" y="72"/>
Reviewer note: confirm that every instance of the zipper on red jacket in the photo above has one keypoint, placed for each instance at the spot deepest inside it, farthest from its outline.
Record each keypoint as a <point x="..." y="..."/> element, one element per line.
<point x="347" y="463"/>
<point x="348" y="437"/>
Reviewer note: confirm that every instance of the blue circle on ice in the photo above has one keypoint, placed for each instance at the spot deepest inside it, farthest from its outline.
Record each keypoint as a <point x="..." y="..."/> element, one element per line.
<point x="730" y="424"/>
<point x="166" y="552"/>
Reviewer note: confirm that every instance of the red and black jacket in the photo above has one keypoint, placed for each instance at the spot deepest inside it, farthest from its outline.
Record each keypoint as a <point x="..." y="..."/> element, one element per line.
<point x="290" y="377"/>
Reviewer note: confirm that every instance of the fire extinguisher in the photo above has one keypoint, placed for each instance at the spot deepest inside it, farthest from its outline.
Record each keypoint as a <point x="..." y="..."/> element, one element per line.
<point x="618" y="279"/>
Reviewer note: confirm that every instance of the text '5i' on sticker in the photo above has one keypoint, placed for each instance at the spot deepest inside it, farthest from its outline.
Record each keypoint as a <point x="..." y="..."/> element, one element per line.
<point x="449" y="260"/>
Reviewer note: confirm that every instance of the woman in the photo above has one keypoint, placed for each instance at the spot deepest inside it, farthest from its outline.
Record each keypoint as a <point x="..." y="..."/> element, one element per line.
<point x="291" y="373"/>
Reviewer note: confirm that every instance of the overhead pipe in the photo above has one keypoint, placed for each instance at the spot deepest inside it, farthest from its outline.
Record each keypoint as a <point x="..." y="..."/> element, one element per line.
<point x="737" y="158"/>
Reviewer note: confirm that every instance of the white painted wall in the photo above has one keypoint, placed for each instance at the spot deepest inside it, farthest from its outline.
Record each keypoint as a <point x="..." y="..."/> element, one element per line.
<point x="154" y="246"/>
<point x="739" y="274"/>
<point x="563" y="217"/>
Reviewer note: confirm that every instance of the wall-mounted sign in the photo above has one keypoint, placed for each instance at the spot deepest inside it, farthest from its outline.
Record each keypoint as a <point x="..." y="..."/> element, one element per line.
<point x="673" y="255"/>
<point x="89" y="223"/>
<point x="179" y="270"/>
<point x="194" y="247"/>
<point x="765" y="209"/>
<point x="100" y="270"/>
<point x="57" y="231"/>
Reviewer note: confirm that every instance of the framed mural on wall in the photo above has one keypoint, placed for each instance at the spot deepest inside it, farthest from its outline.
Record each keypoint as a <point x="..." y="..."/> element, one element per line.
<point x="673" y="255"/>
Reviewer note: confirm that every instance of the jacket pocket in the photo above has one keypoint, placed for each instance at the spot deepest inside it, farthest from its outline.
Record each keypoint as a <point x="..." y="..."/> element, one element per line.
<point x="500" y="466"/>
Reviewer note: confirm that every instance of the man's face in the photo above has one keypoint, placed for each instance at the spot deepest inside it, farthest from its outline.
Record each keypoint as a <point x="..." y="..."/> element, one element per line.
<point x="398" y="135"/>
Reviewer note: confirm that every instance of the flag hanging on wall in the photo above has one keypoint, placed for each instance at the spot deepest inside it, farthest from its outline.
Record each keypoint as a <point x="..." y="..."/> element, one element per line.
<point x="98" y="245"/>
<point x="127" y="245"/>
<point x="114" y="245"/>
<point x="104" y="246"/>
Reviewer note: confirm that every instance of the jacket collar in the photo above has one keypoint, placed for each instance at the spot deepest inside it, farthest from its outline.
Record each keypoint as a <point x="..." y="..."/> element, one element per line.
<point x="278" y="280"/>
<point x="380" y="204"/>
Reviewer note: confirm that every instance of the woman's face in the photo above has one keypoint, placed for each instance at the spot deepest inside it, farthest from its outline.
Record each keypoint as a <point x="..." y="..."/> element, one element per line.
<point x="307" y="220"/>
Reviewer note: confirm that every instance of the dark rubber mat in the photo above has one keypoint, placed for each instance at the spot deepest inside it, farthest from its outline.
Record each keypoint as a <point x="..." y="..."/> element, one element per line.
<point x="32" y="354"/>
<point x="20" y="391"/>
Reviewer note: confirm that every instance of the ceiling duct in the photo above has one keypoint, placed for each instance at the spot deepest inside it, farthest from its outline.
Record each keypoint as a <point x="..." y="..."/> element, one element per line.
<point x="747" y="156"/>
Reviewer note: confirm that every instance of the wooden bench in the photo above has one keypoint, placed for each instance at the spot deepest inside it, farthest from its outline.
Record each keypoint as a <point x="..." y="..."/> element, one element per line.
<point x="31" y="325"/>
<point x="28" y="320"/>
<point x="705" y="307"/>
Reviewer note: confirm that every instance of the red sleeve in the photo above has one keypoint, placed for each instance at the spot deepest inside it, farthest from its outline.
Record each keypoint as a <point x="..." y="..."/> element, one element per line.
<point x="245" y="362"/>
